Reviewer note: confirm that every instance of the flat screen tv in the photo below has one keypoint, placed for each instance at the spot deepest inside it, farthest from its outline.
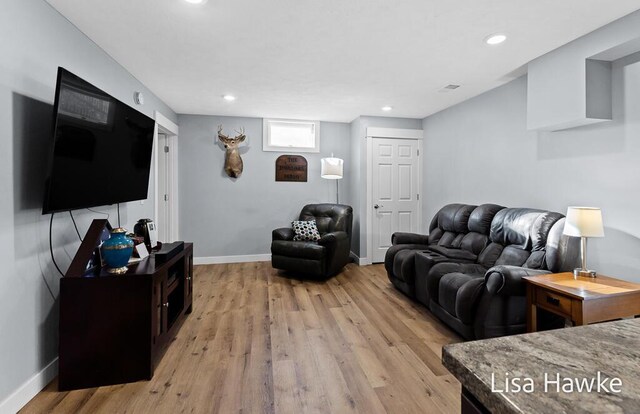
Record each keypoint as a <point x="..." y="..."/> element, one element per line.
<point x="101" y="151"/>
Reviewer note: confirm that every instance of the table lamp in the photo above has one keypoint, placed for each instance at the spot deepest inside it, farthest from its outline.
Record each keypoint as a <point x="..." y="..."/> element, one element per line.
<point x="584" y="222"/>
<point x="332" y="169"/>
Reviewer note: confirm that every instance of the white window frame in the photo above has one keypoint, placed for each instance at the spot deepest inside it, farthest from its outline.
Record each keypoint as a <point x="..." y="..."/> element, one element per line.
<point x="266" y="137"/>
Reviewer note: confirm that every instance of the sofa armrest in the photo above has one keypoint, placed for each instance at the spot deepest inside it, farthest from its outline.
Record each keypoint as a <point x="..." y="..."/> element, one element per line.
<point x="329" y="239"/>
<point x="338" y="247"/>
<point x="282" y="234"/>
<point x="507" y="280"/>
<point x="409" y="238"/>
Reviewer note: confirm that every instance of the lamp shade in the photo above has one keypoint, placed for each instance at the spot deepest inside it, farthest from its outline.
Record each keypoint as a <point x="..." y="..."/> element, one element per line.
<point x="584" y="222"/>
<point x="332" y="168"/>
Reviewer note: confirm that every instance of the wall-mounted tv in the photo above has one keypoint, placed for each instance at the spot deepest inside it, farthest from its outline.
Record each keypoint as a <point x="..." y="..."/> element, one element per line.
<point x="101" y="150"/>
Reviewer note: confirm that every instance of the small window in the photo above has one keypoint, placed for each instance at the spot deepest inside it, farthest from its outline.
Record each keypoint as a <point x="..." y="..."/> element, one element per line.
<point x="284" y="135"/>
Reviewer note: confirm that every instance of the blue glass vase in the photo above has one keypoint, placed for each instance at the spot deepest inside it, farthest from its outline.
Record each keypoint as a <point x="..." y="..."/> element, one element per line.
<point x="116" y="251"/>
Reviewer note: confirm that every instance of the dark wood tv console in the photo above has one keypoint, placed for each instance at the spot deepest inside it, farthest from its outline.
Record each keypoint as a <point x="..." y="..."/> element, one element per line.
<point x="115" y="328"/>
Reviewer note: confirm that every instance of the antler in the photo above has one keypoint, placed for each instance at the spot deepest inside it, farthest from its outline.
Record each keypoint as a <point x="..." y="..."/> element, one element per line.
<point x="241" y="136"/>
<point x="220" y="134"/>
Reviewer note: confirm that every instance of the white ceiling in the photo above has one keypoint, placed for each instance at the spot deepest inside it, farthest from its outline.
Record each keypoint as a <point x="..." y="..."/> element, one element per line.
<point x="330" y="60"/>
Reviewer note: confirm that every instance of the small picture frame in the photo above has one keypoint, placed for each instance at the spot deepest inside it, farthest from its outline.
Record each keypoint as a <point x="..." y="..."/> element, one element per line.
<point x="142" y="251"/>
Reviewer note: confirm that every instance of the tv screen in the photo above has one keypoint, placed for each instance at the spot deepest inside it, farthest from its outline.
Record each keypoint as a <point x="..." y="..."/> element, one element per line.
<point x="102" y="148"/>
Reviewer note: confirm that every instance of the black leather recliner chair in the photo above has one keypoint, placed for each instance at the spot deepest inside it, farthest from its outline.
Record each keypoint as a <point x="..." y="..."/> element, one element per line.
<point x="469" y="269"/>
<point x="321" y="259"/>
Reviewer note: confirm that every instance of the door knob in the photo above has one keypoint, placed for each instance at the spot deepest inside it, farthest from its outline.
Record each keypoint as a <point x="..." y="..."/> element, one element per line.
<point x="376" y="206"/>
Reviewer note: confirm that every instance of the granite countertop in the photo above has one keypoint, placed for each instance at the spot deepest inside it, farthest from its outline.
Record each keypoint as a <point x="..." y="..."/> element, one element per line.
<point x="580" y="353"/>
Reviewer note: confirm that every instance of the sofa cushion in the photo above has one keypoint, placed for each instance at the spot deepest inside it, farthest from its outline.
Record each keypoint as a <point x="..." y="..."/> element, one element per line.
<point x="562" y="252"/>
<point x="513" y="256"/>
<point x="489" y="255"/>
<point x="474" y="242"/>
<point x="455" y="217"/>
<point x="541" y="228"/>
<point x="448" y="239"/>
<point x="449" y="222"/>
<point x="513" y="226"/>
<point x="536" y="260"/>
<point x="454" y="253"/>
<point x="329" y="217"/>
<point x="435" y="234"/>
<point x="481" y="218"/>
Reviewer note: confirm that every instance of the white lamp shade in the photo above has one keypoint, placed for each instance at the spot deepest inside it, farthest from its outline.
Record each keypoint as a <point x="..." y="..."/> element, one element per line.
<point x="332" y="168"/>
<point x="584" y="222"/>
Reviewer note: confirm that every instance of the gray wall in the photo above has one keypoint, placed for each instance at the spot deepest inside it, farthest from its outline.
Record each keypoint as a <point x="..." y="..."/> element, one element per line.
<point x="480" y="151"/>
<point x="229" y="217"/>
<point x="357" y="179"/>
<point x="35" y="41"/>
<point x="558" y="93"/>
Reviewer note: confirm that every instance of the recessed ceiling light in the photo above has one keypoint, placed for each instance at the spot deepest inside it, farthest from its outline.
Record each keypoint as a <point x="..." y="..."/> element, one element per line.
<point x="495" y="39"/>
<point x="387" y="108"/>
<point x="229" y="98"/>
<point x="196" y="1"/>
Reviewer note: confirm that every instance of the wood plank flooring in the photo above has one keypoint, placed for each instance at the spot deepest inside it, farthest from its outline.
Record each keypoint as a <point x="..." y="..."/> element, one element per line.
<point x="258" y="342"/>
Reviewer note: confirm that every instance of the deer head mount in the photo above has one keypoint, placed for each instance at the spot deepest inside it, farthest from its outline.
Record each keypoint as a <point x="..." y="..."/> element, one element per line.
<point x="232" y="160"/>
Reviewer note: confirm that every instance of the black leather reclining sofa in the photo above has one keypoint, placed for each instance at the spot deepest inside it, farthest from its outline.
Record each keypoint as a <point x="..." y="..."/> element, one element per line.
<point x="468" y="270"/>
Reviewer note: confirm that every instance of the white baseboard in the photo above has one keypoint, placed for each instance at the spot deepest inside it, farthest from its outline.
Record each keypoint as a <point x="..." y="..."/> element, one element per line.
<point x="231" y="259"/>
<point x="361" y="261"/>
<point x="20" y="397"/>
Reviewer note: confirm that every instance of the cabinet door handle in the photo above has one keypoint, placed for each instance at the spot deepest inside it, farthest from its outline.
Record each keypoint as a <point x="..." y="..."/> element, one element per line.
<point x="553" y="301"/>
<point x="188" y="277"/>
<point x="166" y="305"/>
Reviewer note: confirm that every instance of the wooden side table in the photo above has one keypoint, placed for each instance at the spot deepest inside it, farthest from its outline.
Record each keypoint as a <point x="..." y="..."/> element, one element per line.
<point x="582" y="300"/>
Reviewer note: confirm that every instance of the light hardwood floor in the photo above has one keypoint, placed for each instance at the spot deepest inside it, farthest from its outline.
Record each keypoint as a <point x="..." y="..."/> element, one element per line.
<point x="258" y="342"/>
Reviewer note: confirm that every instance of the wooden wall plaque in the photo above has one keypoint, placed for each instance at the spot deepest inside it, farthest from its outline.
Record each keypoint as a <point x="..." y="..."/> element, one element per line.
<point x="291" y="168"/>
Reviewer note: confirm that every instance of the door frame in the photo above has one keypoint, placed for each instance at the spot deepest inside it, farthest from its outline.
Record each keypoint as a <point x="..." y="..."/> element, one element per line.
<point x="385" y="133"/>
<point x="170" y="129"/>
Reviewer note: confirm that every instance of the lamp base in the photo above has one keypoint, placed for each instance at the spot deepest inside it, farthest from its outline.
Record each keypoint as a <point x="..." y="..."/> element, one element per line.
<point x="584" y="273"/>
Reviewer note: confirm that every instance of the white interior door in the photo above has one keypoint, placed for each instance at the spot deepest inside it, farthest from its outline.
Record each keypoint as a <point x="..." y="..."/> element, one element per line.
<point x="395" y="191"/>
<point x="163" y="197"/>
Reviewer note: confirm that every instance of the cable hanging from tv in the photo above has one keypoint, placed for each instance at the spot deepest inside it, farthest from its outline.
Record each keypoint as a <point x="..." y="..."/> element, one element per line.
<point x="75" y="225"/>
<point x="53" y="259"/>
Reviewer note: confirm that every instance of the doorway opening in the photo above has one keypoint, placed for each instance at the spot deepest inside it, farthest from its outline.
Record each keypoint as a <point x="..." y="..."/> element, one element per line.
<point x="166" y="179"/>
